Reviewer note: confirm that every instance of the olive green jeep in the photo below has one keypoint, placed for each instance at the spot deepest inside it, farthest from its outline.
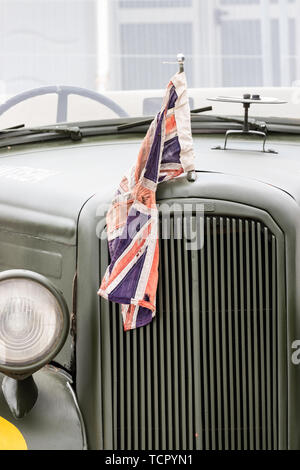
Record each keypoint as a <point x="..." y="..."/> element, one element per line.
<point x="219" y="366"/>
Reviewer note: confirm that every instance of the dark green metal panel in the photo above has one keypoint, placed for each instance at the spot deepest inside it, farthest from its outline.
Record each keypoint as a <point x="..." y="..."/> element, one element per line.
<point x="55" y="422"/>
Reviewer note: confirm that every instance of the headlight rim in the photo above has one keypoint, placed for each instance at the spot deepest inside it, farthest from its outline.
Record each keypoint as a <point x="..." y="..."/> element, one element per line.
<point x="27" y="370"/>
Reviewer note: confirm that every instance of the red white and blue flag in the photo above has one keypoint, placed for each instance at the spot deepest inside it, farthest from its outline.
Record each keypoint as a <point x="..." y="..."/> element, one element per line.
<point x="132" y="220"/>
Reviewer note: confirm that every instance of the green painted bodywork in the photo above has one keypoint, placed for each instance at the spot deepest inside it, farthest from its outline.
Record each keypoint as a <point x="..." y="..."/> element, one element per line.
<point x="50" y="227"/>
<point x="55" y="422"/>
<point x="20" y="395"/>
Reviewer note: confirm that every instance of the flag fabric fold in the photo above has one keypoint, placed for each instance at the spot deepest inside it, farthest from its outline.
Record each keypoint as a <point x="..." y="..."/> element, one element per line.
<point x="132" y="220"/>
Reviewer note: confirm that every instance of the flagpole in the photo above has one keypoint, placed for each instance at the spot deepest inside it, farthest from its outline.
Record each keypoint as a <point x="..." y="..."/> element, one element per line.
<point x="180" y="60"/>
<point x="191" y="175"/>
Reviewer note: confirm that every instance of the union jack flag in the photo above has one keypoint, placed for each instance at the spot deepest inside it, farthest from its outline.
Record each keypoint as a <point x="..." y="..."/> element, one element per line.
<point x="132" y="220"/>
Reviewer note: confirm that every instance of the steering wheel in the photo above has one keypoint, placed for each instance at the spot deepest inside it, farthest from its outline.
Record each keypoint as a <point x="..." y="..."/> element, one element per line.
<point x="62" y="106"/>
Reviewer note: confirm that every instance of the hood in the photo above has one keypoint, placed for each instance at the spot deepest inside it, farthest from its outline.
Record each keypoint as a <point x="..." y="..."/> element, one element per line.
<point x="280" y="170"/>
<point x="42" y="190"/>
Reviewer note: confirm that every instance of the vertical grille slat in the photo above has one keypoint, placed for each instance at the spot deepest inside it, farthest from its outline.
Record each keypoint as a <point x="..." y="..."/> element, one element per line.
<point x="268" y="341"/>
<point x="151" y="406"/>
<point x="119" y="372"/>
<point x="161" y="357"/>
<point x="211" y="338"/>
<point x="217" y="334"/>
<point x="243" y="338"/>
<point x="251" y="410"/>
<point x="231" y="403"/>
<point x="263" y="336"/>
<point x="203" y="357"/>
<point x="168" y="351"/>
<point x="183" y="403"/>
<point x="188" y="365"/>
<point x="204" y="374"/>
<point x="114" y="328"/>
<point x="224" y="329"/>
<point x="155" y="379"/>
<point x="274" y="344"/>
<point x="255" y="337"/>
<point x="142" y="389"/>
<point x="137" y="390"/>
<point x="236" y="347"/>
<point x="196" y="351"/>
<point x="174" y="340"/>
<point x="131" y="399"/>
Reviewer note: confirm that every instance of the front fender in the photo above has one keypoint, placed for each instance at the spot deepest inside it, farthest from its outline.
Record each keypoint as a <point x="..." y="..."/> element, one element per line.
<point x="54" y="423"/>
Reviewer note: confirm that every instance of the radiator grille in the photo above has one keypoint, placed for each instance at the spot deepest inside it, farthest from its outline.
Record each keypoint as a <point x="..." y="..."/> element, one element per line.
<point x="204" y="375"/>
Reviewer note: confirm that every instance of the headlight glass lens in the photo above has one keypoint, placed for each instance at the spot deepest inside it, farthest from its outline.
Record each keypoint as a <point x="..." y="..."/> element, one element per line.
<point x="31" y="322"/>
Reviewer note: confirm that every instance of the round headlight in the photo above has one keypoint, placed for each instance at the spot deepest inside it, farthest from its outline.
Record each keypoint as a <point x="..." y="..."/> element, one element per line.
<point x="33" y="321"/>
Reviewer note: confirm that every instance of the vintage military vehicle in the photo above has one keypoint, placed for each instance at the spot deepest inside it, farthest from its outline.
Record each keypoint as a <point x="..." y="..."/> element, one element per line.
<point x="219" y="366"/>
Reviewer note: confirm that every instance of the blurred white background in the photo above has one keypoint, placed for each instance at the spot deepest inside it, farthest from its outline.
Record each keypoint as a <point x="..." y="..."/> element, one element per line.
<point x="110" y="46"/>
<point x="122" y="44"/>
